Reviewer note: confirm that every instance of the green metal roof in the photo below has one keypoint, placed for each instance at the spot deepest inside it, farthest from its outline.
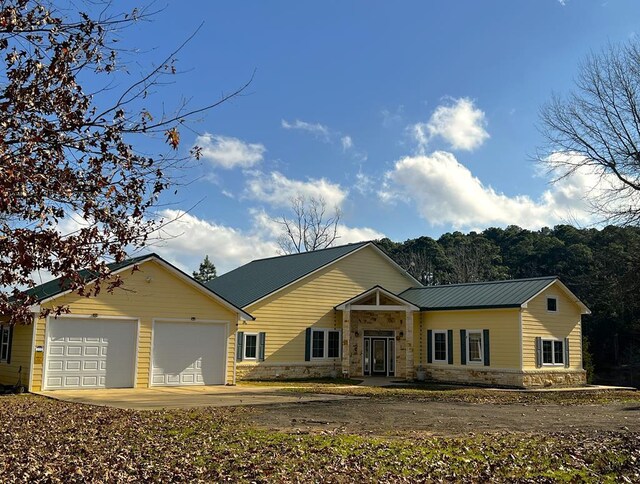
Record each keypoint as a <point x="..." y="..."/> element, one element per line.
<point x="259" y="278"/>
<point x="60" y="285"/>
<point x="495" y="294"/>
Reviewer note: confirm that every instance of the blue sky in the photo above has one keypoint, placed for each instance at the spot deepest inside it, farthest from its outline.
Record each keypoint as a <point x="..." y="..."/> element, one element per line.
<point x="415" y="118"/>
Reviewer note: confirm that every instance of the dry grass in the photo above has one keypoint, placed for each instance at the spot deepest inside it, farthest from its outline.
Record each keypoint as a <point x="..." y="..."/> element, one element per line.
<point x="46" y="440"/>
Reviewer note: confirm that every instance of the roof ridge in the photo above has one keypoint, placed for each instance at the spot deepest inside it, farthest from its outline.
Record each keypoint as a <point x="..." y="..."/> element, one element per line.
<point x="364" y="242"/>
<point x="501" y="281"/>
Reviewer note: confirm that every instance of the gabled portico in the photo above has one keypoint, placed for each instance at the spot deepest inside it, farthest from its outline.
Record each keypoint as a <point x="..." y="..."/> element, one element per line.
<point x="377" y="334"/>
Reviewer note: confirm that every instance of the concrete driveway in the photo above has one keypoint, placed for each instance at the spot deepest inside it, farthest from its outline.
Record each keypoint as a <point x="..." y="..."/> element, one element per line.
<point x="186" y="397"/>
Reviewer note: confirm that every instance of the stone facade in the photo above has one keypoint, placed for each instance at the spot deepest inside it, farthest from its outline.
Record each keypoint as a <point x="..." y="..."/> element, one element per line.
<point x="556" y="378"/>
<point x="285" y="372"/>
<point x="506" y="378"/>
<point x="362" y="321"/>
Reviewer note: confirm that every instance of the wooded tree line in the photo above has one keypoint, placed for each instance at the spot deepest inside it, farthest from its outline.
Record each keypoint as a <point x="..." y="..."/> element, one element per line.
<point x="602" y="267"/>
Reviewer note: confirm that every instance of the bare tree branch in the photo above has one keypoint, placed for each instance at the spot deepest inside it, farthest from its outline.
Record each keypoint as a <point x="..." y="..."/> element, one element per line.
<point x="309" y="228"/>
<point x="595" y="130"/>
<point x="60" y="160"/>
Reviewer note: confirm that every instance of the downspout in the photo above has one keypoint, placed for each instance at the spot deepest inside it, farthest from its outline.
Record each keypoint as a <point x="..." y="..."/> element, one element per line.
<point x="235" y="349"/>
<point x="34" y="323"/>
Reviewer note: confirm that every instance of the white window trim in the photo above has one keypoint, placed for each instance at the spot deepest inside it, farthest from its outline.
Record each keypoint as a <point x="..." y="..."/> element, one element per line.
<point x="481" y="333"/>
<point x="3" y="342"/>
<point x="244" y="346"/>
<point x="325" y="351"/>
<point x="553" y="351"/>
<point x="547" y="301"/>
<point x="446" y="346"/>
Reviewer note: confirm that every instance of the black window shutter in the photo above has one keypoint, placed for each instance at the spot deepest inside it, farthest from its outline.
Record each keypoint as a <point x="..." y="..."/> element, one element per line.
<point x="10" y="343"/>
<point x="307" y="345"/>
<point x="261" y="344"/>
<point x="463" y="346"/>
<point x="450" y="346"/>
<point x="538" y="352"/>
<point x="566" y="353"/>
<point x="239" y="345"/>
<point x="429" y="346"/>
<point x="487" y="348"/>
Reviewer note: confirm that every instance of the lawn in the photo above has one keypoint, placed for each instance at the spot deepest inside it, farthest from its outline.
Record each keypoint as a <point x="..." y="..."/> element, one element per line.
<point x="47" y="440"/>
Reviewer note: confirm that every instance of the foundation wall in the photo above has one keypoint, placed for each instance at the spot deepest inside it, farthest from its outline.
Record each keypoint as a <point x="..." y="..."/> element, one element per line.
<point x="508" y="378"/>
<point x="285" y="372"/>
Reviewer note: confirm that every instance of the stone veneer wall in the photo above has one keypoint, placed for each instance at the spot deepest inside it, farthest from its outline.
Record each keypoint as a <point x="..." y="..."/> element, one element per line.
<point x="557" y="378"/>
<point x="283" y="372"/>
<point x="507" y="378"/>
<point x="377" y="320"/>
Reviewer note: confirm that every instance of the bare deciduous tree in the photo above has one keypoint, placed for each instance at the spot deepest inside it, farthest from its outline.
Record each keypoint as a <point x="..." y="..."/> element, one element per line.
<point x="596" y="129"/>
<point x="69" y="118"/>
<point x="420" y="264"/>
<point x="310" y="227"/>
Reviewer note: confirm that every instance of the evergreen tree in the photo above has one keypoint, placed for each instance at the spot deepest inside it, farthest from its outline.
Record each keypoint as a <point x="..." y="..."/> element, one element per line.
<point x="206" y="271"/>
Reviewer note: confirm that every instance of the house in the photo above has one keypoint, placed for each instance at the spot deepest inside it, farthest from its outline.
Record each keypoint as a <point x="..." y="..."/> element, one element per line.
<point x="347" y="310"/>
<point x="351" y="310"/>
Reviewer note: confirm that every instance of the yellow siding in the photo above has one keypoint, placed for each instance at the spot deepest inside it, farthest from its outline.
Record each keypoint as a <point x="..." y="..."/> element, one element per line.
<point x="537" y="321"/>
<point x="20" y="356"/>
<point x="504" y="334"/>
<point x="165" y="296"/>
<point x="285" y="315"/>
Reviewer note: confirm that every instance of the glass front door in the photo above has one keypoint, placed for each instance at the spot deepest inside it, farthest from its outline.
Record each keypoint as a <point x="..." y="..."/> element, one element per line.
<point x="379" y="356"/>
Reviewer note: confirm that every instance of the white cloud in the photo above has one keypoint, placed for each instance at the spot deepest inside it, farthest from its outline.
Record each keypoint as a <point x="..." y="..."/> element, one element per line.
<point x="347" y="143"/>
<point x="392" y="117"/>
<point x="347" y="235"/>
<point x="363" y="184"/>
<point x="187" y="239"/>
<point x="278" y="190"/>
<point x="445" y="192"/>
<point x="314" y="128"/>
<point x="459" y="123"/>
<point x="228" y="152"/>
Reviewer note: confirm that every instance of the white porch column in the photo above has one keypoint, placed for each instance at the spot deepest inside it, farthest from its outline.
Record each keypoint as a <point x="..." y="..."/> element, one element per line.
<point x="346" y="340"/>
<point x="408" y="333"/>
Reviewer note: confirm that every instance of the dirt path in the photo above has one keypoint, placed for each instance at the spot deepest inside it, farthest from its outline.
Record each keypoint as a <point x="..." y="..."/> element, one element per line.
<point x="396" y="417"/>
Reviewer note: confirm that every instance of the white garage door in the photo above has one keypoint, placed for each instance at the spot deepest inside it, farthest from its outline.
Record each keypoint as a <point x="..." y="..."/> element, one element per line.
<point x="186" y="353"/>
<point x="90" y="353"/>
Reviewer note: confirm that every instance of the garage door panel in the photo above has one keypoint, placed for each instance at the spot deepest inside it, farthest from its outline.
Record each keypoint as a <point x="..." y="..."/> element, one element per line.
<point x="189" y="353"/>
<point x="78" y="354"/>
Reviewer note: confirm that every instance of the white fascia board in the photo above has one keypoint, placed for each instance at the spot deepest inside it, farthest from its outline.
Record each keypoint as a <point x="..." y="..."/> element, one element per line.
<point x="404" y="304"/>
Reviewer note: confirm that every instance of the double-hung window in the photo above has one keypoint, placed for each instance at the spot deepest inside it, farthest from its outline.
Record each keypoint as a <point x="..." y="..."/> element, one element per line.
<point x="474" y="347"/>
<point x="552" y="352"/>
<point x="250" y="346"/>
<point x="440" y="347"/>
<point x="5" y="341"/>
<point x="325" y="343"/>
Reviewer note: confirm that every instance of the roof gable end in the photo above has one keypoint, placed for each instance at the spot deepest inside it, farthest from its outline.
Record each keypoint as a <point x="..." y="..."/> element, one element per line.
<point x="56" y="288"/>
<point x="262" y="278"/>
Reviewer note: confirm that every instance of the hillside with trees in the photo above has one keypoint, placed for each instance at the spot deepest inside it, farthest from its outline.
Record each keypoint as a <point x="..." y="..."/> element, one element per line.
<point x="602" y="267"/>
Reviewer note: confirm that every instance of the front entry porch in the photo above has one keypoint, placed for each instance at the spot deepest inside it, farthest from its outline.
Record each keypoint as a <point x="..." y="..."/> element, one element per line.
<point x="377" y="335"/>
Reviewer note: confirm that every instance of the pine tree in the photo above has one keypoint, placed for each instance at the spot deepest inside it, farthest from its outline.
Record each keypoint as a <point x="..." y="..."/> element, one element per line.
<point x="206" y="271"/>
